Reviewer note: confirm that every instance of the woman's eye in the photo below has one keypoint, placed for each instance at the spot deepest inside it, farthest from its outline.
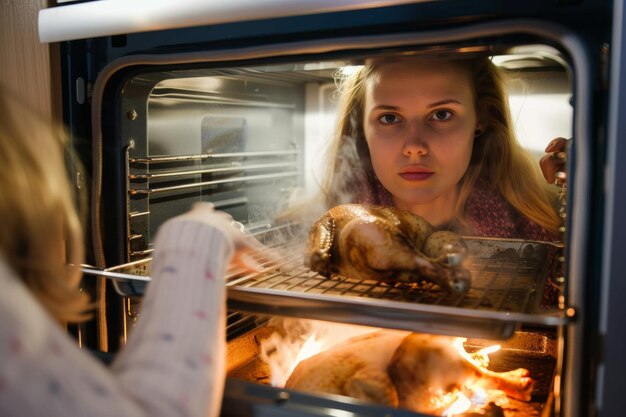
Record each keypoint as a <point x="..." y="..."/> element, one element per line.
<point x="388" y="119"/>
<point x="442" y="115"/>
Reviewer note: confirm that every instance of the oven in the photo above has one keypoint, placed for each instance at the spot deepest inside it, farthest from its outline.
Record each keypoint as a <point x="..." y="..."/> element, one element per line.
<point x="170" y="105"/>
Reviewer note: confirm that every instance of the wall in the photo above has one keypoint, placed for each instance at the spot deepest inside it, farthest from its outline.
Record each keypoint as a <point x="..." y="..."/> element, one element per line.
<point x="25" y="63"/>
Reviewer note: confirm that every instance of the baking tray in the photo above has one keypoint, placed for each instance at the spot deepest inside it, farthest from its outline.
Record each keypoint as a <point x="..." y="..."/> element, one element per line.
<point x="508" y="279"/>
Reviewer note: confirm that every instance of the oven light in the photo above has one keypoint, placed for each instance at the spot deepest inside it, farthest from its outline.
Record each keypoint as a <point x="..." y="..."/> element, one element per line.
<point x="349" y="70"/>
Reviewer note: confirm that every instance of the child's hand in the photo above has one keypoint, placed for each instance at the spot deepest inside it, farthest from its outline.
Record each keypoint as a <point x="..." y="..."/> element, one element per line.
<point x="205" y="213"/>
<point x="248" y="250"/>
<point x="555" y="159"/>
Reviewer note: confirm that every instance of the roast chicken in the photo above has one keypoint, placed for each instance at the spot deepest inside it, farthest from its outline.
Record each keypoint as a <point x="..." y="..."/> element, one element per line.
<point x="386" y="244"/>
<point x="401" y="369"/>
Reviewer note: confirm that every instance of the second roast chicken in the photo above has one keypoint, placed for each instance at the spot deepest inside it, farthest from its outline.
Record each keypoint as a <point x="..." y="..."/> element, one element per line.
<point x="385" y="244"/>
<point x="401" y="369"/>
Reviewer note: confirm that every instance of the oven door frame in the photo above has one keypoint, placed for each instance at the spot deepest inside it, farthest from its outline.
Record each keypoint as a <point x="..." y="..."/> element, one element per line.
<point x="102" y="92"/>
<point x="579" y="219"/>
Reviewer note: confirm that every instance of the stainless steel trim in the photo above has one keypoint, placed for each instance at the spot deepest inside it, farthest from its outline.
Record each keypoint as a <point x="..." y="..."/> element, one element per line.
<point x="114" y="275"/>
<point x="127" y="149"/>
<point x="179" y="158"/>
<point x="199" y="98"/>
<point x="141" y="252"/>
<point x="271" y="301"/>
<point x="610" y="359"/>
<point x="138" y="214"/>
<point x="230" y="202"/>
<point x="150" y="191"/>
<point x="240" y="167"/>
<point x="97" y="19"/>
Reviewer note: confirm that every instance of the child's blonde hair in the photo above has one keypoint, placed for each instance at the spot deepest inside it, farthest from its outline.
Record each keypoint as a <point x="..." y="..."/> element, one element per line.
<point x="41" y="231"/>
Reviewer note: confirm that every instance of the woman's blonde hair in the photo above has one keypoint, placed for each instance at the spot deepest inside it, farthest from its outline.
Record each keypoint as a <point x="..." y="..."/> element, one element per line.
<point x="498" y="160"/>
<point x="41" y="231"/>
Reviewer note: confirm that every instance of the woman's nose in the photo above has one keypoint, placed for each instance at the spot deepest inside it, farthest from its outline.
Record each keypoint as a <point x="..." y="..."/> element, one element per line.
<point x="415" y="144"/>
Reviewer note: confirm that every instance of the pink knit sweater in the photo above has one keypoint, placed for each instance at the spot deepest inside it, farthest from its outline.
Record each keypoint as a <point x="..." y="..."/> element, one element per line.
<point x="487" y="213"/>
<point x="490" y="215"/>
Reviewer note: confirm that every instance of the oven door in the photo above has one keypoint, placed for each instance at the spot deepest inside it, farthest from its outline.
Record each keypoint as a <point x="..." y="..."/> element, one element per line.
<point x="96" y="70"/>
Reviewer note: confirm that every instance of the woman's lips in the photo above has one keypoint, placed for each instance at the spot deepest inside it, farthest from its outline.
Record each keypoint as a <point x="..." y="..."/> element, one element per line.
<point x="416" y="175"/>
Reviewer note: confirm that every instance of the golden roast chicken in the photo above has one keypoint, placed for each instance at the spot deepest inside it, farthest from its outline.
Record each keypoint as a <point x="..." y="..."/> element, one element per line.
<point x="401" y="369"/>
<point x="385" y="244"/>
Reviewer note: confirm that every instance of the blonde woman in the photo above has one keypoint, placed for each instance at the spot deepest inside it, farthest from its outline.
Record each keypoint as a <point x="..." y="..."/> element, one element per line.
<point x="434" y="137"/>
<point x="173" y="364"/>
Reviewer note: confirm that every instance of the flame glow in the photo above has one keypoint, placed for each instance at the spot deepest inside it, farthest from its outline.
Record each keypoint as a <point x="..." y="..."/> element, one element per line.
<point x="460" y="405"/>
<point x="470" y="399"/>
<point x="472" y="396"/>
<point x="480" y="359"/>
<point x="311" y="347"/>
<point x="300" y="340"/>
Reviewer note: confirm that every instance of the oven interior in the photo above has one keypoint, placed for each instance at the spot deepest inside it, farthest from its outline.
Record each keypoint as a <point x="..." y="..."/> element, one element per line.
<point x="250" y="138"/>
<point x="249" y="364"/>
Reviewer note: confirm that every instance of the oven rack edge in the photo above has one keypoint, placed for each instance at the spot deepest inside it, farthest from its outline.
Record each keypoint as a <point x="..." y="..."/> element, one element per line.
<point x="418" y="317"/>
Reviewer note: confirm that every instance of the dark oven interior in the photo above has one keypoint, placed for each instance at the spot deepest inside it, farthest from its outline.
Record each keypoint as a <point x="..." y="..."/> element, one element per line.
<point x="249" y="136"/>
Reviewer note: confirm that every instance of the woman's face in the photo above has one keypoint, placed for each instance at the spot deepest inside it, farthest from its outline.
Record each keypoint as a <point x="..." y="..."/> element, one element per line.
<point x="419" y="123"/>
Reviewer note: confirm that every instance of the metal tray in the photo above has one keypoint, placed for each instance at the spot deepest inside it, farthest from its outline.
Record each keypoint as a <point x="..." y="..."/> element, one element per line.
<point x="508" y="278"/>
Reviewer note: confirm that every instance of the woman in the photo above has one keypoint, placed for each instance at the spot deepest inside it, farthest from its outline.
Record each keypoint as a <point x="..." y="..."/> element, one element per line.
<point x="173" y="364"/>
<point x="435" y="137"/>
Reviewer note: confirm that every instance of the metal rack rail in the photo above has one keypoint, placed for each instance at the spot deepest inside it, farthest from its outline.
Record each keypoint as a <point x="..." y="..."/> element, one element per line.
<point x="508" y="278"/>
<point x="160" y="176"/>
<point x="201" y="157"/>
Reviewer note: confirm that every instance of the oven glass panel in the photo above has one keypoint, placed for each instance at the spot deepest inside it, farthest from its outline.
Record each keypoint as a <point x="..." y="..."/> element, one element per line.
<point x="253" y="140"/>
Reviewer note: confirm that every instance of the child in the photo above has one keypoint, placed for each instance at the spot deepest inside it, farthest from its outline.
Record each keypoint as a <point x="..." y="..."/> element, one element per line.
<point x="434" y="137"/>
<point x="173" y="364"/>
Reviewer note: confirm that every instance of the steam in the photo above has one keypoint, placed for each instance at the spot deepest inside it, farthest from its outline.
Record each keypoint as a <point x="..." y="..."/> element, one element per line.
<point x="349" y="180"/>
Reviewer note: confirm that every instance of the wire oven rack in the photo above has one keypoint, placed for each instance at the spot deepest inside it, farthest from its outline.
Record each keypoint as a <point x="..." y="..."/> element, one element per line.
<point x="508" y="278"/>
